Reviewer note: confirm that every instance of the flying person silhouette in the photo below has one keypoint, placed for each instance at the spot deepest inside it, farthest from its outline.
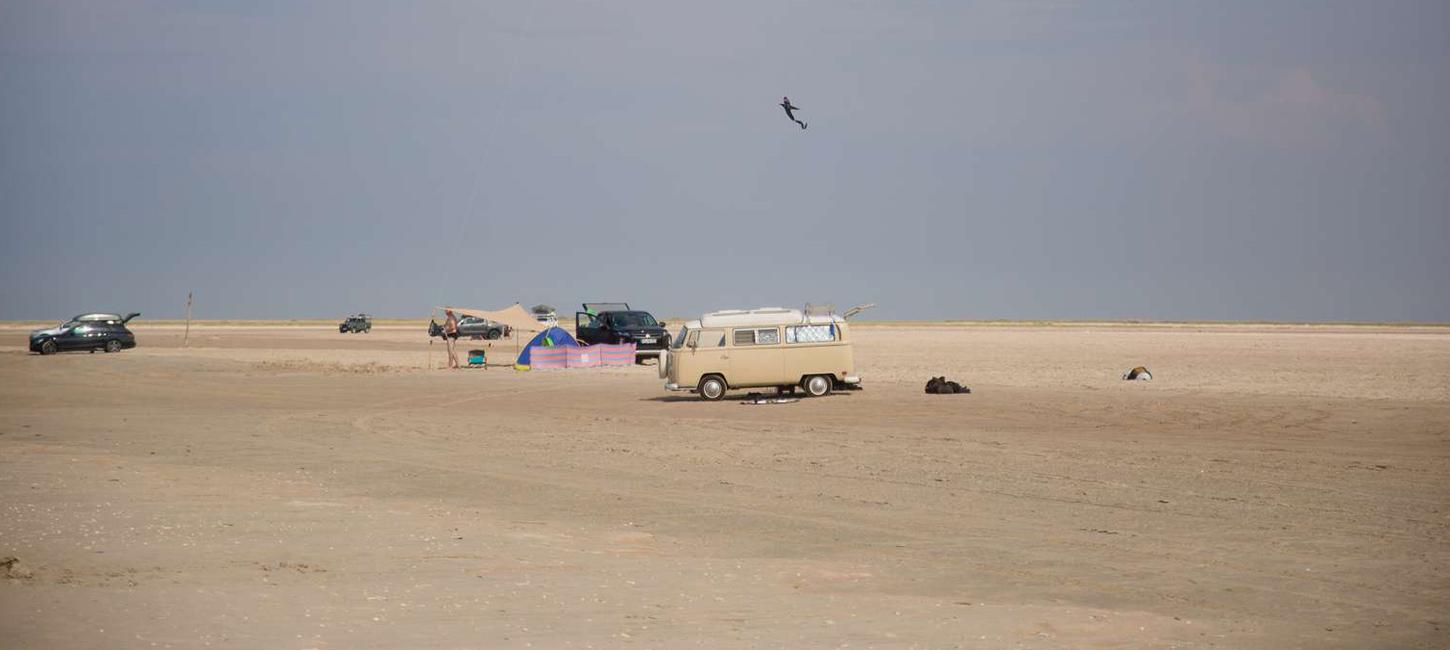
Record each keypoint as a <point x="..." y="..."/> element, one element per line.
<point x="790" y="111"/>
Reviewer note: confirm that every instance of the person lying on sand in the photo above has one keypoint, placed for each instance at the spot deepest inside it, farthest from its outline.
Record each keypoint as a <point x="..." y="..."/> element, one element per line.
<point x="944" y="386"/>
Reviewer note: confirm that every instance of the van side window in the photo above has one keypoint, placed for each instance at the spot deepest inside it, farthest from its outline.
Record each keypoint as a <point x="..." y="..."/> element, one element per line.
<point x="810" y="333"/>
<point x="715" y="336"/>
<point x="762" y="336"/>
<point x="692" y="339"/>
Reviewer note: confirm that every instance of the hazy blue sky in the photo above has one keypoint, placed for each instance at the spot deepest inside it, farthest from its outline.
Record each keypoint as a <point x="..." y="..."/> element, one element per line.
<point x="1173" y="160"/>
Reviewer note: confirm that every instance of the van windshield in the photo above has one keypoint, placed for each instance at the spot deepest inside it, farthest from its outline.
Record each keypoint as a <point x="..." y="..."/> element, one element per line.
<point x="679" y="341"/>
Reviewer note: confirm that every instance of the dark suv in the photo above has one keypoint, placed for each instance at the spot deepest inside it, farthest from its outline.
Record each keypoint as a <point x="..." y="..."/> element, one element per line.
<point x="615" y="322"/>
<point x="86" y="332"/>
<point x="356" y="323"/>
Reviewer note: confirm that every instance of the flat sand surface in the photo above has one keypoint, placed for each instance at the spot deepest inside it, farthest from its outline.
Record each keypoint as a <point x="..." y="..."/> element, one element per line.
<point x="291" y="487"/>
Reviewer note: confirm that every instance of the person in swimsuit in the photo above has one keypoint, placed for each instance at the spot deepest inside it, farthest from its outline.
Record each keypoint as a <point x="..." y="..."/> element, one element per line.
<point x="450" y="337"/>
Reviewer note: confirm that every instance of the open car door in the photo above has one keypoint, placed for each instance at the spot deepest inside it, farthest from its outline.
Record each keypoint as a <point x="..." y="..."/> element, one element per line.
<point x="586" y="328"/>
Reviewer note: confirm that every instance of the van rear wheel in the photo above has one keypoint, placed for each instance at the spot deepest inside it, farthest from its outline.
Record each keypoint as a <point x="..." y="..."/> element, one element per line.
<point x="817" y="385"/>
<point x="712" y="388"/>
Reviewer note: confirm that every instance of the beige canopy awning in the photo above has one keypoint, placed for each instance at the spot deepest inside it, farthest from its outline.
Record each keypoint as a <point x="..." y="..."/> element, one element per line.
<point x="515" y="316"/>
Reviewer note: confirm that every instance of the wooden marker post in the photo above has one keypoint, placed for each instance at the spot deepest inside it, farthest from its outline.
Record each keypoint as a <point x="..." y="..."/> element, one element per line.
<point x="186" y="338"/>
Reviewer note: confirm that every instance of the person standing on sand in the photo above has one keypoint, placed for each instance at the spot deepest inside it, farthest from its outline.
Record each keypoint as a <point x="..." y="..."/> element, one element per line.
<point x="450" y="337"/>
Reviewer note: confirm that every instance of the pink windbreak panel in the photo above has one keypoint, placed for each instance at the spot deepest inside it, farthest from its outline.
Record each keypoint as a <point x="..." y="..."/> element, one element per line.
<point x="616" y="355"/>
<point x="548" y="357"/>
<point x="590" y="356"/>
<point x="585" y="357"/>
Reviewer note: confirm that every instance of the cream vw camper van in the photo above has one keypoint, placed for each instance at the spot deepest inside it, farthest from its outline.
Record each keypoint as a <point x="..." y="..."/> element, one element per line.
<point x="759" y="348"/>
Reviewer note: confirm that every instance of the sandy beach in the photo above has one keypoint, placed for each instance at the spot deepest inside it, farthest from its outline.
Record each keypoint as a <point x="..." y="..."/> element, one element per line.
<point x="290" y="487"/>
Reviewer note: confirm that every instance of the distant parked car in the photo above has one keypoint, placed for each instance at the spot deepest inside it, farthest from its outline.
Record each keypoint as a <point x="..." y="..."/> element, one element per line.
<point x="356" y="323"/>
<point x="474" y="327"/>
<point x="86" y="332"/>
<point x="545" y="315"/>
<point x="481" y="328"/>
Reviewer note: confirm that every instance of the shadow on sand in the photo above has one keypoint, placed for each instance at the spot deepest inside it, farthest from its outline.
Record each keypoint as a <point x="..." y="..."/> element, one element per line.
<point x="738" y="397"/>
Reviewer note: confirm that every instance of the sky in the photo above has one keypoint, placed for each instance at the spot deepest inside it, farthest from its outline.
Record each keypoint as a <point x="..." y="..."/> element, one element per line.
<point x="1120" y="160"/>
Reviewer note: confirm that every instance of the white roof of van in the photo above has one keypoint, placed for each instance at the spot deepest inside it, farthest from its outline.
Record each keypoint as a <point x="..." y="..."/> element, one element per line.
<point x="763" y="316"/>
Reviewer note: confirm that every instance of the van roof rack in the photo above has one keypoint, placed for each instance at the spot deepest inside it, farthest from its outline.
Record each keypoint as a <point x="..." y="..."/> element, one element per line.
<point x="857" y="309"/>
<point x="819" y="309"/>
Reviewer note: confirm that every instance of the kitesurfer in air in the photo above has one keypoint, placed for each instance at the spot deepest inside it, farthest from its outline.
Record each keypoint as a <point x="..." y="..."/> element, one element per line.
<point x="790" y="111"/>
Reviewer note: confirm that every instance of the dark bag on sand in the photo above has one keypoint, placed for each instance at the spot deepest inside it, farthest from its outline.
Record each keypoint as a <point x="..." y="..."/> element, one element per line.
<point x="943" y="386"/>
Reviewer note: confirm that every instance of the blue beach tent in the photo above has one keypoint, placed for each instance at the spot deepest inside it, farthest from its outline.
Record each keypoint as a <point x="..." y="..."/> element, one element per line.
<point x="547" y="338"/>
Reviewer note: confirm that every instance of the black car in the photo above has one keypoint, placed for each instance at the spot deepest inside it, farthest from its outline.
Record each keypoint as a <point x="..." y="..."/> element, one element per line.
<point x="473" y="327"/>
<point x="356" y="323"/>
<point x="86" y="332"/>
<point x="615" y="322"/>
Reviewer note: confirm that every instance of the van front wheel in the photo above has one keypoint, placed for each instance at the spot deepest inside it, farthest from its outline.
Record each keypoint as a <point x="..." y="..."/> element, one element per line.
<point x="817" y="385"/>
<point x="712" y="388"/>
